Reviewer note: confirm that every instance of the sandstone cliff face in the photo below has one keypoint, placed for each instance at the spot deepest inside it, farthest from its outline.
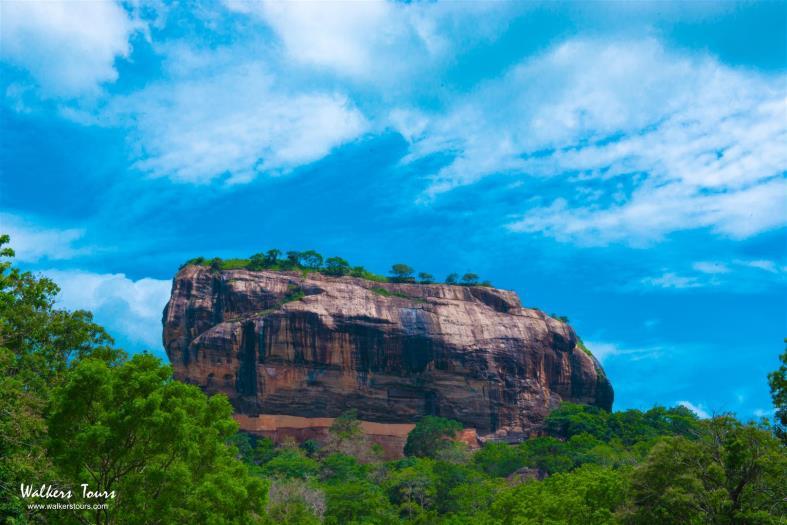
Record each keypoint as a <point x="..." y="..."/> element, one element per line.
<point x="278" y="343"/>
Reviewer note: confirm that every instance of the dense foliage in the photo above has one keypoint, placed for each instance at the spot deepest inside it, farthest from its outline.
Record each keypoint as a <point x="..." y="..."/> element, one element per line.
<point x="76" y="410"/>
<point x="778" y="383"/>
<point x="311" y="261"/>
<point x="431" y="436"/>
<point x="660" y="466"/>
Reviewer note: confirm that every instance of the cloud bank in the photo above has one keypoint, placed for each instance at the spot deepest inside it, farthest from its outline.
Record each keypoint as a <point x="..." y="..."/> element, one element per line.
<point x="69" y="48"/>
<point x="650" y="141"/>
<point x="33" y="242"/>
<point x="129" y="309"/>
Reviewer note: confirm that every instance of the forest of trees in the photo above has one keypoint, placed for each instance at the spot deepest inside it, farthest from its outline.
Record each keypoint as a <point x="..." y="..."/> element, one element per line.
<point x="76" y="410"/>
<point x="311" y="261"/>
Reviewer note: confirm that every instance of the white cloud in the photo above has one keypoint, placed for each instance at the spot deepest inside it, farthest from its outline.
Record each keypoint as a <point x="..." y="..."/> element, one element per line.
<point x="765" y="265"/>
<point x="32" y="242"/>
<point x="762" y="264"/>
<point x="374" y="41"/>
<point x="738" y="275"/>
<point x="653" y="211"/>
<point x="697" y="409"/>
<point x="710" y="267"/>
<point x="236" y="121"/>
<point x="604" y="350"/>
<point x="331" y="34"/>
<point x="68" y="47"/>
<point x="130" y="310"/>
<point x="672" y="280"/>
<point x="672" y="142"/>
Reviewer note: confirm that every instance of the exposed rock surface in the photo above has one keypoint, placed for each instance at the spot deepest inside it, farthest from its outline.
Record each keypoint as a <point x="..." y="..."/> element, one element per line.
<point x="279" y="343"/>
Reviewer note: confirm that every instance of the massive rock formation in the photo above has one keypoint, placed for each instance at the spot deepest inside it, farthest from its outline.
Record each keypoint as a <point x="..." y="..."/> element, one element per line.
<point x="283" y="344"/>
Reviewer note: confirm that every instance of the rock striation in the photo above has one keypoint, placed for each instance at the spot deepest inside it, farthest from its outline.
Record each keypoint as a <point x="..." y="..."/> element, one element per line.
<point x="312" y="346"/>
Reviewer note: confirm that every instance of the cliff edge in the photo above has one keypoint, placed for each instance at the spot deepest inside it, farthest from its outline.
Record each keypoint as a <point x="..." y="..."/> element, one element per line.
<point x="311" y="346"/>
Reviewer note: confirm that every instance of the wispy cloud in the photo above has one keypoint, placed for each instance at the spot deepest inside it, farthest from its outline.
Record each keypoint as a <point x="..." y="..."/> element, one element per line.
<point x="375" y="42"/>
<point x="604" y="350"/>
<point x="673" y="142"/>
<point x="233" y="121"/>
<point x="672" y="280"/>
<point x="710" y="267"/>
<point x="69" y="48"/>
<point x="32" y="242"/>
<point x="764" y="265"/>
<point x="737" y="275"/>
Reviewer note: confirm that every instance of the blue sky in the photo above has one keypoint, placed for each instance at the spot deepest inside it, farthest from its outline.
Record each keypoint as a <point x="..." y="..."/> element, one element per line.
<point x="619" y="163"/>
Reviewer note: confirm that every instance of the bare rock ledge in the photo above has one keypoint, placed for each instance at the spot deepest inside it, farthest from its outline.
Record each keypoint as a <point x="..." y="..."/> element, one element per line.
<point x="292" y="352"/>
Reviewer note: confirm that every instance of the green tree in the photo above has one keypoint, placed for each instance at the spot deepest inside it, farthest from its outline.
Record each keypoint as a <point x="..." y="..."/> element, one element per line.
<point x="633" y="426"/>
<point x="590" y="494"/>
<point x="311" y="259"/>
<point x="291" y="462"/>
<point x="402" y="273"/>
<point x="199" y="261"/>
<point x="346" y="425"/>
<point x="448" y="476"/>
<point x="356" y="503"/>
<point x="413" y="487"/>
<point x="732" y="474"/>
<point x="295" y="502"/>
<point x="470" y="499"/>
<point x="38" y="345"/>
<point x="425" y="278"/>
<point x="215" y="264"/>
<point x="257" y="262"/>
<point x="294" y="259"/>
<point x="778" y="383"/>
<point x="336" y="266"/>
<point x="272" y="257"/>
<point x="570" y="419"/>
<point x="346" y="437"/>
<point x="499" y="459"/>
<point x="158" y="444"/>
<point x="337" y="467"/>
<point x="547" y="454"/>
<point x="358" y="271"/>
<point x="430" y="435"/>
<point x="311" y="447"/>
<point x="264" y="450"/>
<point x="292" y="512"/>
<point x="452" y="278"/>
<point x="44" y="340"/>
<point x="245" y="445"/>
<point x="470" y="279"/>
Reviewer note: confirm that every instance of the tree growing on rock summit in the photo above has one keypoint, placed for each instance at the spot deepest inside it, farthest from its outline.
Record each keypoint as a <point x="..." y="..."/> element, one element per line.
<point x="402" y="273"/>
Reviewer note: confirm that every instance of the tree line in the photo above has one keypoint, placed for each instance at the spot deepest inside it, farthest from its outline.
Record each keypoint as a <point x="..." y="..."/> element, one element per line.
<point x="311" y="261"/>
<point x="77" y="410"/>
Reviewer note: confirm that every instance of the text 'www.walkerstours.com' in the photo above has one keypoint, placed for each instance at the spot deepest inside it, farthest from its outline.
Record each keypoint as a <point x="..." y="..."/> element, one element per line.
<point x="67" y="506"/>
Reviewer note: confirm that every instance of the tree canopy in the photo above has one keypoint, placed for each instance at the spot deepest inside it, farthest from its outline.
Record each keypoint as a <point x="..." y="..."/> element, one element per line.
<point x="159" y="444"/>
<point x="777" y="380"/>
<point x="430" y="435"/>
<point x="311" y="261"/>
<point x="75" y="410"/>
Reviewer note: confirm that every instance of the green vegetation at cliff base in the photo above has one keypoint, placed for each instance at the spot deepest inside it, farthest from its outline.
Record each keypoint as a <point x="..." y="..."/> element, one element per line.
<point x="76" y="410"/>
